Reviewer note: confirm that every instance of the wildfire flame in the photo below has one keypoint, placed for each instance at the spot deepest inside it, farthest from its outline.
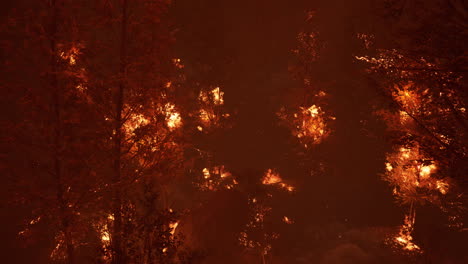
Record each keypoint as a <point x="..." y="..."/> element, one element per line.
<point x="273" y="178"/>
<point x="173" y="227"/>
<point x="173" y="118"/>
<point x="70" y="55"/>
<point x="210" y="112"/>
<point x="309" y="124"/>
<point x="135" y="121"/>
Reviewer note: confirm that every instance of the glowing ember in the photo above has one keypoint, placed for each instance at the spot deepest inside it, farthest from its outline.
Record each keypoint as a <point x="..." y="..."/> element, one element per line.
<point x="287" y="220"/>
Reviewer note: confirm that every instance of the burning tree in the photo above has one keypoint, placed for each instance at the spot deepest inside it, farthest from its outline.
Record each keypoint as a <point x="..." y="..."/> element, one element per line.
<point x="309" y="120"/>
<point x="424" y="88"/>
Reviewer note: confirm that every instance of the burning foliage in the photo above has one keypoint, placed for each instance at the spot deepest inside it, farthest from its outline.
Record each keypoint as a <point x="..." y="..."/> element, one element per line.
<point x="212" y="114"/>
<point x="216" y="178"/>
<point x="272" y="177"/>
<point x="425" y="111"/>
<point x="310" y="124"/>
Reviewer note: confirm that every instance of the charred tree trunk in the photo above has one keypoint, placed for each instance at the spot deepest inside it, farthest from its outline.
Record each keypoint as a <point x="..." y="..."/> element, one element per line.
<point x="119" y="252"/>
<point x="58" y="138"/>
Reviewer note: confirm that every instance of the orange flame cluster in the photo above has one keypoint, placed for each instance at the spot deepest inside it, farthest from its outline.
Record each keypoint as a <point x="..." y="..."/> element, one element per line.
<point x="133" y="122"/>
<point x="409" y="170"/>
<point x="273" y="178"/>
<point x="310" y="124"/>
<point x="136" y="120"/>
<point x="70" y="55"/>
<point x="410" y="173"/>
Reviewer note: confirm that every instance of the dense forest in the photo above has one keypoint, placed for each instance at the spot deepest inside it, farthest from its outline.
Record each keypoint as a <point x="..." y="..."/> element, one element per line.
<point x="248" y="131"/>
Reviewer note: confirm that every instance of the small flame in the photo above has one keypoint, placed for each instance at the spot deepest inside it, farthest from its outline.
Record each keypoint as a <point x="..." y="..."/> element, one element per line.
<point x="273" y="178"/>
<point x="287" y="220"/>
<point x="216" y="178"/>
<point x="442" y="186"/>
<point x="70" y="55"/>
<point x="206" y="173"/>
<point x="173" y="227"/>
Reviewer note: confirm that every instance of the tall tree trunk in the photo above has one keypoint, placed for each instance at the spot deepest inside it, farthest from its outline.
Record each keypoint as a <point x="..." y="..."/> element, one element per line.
<point x="57" y="109"/>
<point x="119" y="252"/>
